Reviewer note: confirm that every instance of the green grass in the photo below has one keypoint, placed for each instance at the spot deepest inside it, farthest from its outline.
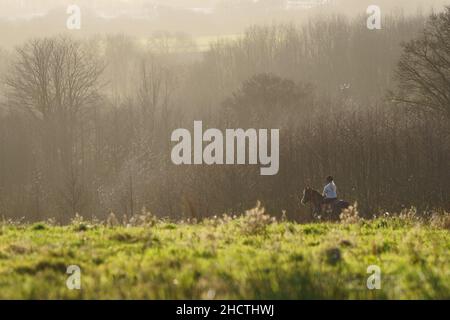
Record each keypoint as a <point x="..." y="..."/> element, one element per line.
<point x="226" y="259"/>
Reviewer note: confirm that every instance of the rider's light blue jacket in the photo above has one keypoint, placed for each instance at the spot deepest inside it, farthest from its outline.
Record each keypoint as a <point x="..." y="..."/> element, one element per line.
<point x="330" y="191"/>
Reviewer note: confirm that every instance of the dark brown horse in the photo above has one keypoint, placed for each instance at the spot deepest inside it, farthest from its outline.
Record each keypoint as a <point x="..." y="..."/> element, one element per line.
<point x="316" y="199"/>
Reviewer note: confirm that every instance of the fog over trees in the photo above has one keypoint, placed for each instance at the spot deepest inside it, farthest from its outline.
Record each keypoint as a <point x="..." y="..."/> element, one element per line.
<point x="86" y="121"/>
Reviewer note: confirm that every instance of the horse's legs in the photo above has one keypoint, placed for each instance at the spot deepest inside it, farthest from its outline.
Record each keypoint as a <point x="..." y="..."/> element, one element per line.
<point x="337" y="210"/>
<point x="315" y="210"/>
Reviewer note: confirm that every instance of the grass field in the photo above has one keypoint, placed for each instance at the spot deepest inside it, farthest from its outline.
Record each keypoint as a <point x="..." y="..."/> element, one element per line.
<point x="250" y="257"/>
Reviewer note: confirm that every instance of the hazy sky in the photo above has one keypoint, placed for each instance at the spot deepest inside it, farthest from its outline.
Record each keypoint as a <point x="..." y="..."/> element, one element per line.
<point x="27" y="8"/>
<point x="22" y="19"/>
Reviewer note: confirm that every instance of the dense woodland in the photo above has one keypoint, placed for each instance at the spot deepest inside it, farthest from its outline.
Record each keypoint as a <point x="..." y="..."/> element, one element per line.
<point x="85" y="124"/>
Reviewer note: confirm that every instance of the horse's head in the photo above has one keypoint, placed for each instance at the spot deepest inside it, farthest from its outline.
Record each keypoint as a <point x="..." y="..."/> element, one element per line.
<point x="306" y="195"/>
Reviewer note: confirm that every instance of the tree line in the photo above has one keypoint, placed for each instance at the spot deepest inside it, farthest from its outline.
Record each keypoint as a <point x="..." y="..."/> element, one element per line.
<point x="85" y="125"/>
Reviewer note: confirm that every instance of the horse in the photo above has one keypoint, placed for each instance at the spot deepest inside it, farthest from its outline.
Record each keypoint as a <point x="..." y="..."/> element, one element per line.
<point x="315" y="198"/>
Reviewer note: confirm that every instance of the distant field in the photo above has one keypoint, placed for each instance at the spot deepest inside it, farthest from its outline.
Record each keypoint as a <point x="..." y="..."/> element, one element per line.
<point x="203" y="43"/>
<point x="245" y="258"/>
<point x="199" y="44"/>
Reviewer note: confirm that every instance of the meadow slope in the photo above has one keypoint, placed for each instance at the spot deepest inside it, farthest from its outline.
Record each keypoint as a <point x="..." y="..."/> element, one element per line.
<point x="250" y="257"/>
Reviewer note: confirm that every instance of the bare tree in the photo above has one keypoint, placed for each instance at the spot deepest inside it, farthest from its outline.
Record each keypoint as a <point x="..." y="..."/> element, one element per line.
<point x="56" y="81"/>
<point x="53" y="76"/>
<point x="424" y="69"/>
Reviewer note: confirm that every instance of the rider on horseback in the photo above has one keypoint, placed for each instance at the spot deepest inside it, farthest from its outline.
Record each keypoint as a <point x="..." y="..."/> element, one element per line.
<point x="326" y="202"/>
<point x="329" y="192"/>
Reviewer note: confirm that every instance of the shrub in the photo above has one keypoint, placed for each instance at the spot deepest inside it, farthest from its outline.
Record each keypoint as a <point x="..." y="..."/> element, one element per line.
<point x="410" y="215"/>
<point x="350" y="215"/>
<point x="145" y="218"/>
<point x="256" y="220"/>
<point x="112" y="220"/>
<point x="440" y="220"/>
<point x="79" y="224"/>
